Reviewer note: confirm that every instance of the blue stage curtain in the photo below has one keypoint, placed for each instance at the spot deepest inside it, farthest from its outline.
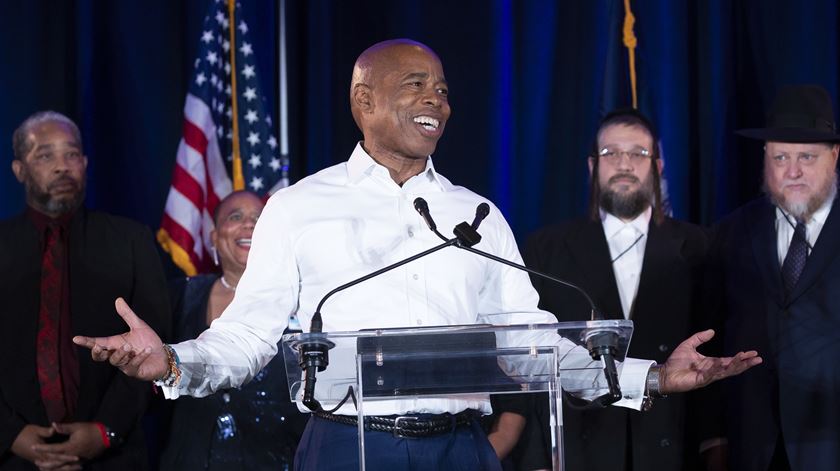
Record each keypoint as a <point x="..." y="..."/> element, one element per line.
<point x="528" y="80"/>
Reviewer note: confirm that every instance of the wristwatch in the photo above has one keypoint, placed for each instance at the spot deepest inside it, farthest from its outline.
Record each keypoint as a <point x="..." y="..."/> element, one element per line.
<point x="110" y="438"/>
<point x="113" y="437"/>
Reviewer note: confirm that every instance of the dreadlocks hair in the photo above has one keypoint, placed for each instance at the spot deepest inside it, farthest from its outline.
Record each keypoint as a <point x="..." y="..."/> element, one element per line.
<point x="633" y="118"/>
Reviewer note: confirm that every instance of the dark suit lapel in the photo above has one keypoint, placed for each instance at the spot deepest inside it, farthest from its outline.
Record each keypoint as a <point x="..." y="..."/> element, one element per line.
<point x="662" y="249"/>
<point x="824" y="253"/>
<point x="24" y="275"/>
<point x="761" y="228"/>
<point x="592" y="256"/>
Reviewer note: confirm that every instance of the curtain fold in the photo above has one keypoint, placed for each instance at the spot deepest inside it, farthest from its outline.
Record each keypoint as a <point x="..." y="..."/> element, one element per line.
<point x="528" y="83"/>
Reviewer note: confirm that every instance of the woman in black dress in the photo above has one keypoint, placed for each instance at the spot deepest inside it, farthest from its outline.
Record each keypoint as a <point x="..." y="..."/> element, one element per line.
<point x="254" y="427"/>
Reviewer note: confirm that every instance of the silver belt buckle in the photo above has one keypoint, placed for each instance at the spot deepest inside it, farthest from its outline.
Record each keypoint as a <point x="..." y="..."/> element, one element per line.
<point x="397" y="429"/>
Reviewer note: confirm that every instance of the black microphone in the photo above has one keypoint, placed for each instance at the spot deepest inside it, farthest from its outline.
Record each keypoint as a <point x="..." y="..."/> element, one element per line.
<point x="464" y="233"/>
<point x="468" y="233"/>
<point x="602" y="343"/>
<point x="481" y="212"/>
<point x="423" y="208"/>
<point x="314" y="349"/>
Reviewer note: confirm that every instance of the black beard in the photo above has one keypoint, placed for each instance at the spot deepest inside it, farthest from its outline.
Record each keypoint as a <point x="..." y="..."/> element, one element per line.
<point x="627" y="205"/>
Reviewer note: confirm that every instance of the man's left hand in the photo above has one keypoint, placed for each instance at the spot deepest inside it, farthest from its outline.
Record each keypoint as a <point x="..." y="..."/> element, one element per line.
<point x="85" y="440"/>
<point x="686" y="369"/>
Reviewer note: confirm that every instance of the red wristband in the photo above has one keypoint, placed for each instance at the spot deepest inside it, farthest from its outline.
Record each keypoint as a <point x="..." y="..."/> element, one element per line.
<point x="103" y="432"/>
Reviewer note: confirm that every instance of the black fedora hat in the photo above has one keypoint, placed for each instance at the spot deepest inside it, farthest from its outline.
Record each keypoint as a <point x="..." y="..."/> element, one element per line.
<point x="800" y="113"/>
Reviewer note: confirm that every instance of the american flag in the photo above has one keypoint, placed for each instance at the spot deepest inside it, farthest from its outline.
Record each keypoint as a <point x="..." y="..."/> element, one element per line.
<point x="207" y="167"/>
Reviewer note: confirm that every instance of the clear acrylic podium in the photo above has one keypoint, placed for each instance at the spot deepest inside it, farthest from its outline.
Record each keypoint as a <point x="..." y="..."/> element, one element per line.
<point x="449" y="361"/>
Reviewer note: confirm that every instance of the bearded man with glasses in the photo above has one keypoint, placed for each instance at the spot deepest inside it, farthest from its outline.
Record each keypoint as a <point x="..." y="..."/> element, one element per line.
<point x="637" y="264"/>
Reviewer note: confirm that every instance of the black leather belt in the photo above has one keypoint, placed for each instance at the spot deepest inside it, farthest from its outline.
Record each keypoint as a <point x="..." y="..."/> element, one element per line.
<point x="407" y="426"/>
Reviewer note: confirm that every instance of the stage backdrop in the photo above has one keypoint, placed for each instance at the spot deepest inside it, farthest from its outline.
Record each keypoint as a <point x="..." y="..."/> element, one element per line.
<point x="528" y="83"/>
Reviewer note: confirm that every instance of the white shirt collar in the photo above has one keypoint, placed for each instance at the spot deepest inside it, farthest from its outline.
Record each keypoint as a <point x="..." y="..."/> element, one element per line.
<point x="361" y="165"/>
<point x="785" y="224"/>
<point x="613" y="224"/>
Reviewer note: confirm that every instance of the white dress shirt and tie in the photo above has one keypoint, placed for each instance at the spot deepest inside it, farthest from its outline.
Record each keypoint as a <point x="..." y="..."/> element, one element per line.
<point x="627" y="242"/>
<point x="794" y="241"/>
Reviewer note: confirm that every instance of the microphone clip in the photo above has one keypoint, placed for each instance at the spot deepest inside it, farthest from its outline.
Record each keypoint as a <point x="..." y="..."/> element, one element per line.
<point x="313" y="356"/>
<point x="602" y="344"/>
<point x="466" y="235"/>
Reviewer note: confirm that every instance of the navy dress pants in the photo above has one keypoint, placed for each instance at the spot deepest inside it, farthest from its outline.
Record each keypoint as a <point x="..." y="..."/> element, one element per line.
<point x="327" y="445"/>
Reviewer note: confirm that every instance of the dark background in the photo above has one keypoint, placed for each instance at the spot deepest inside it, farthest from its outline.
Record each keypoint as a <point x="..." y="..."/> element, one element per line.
<point x="528" y="82"/>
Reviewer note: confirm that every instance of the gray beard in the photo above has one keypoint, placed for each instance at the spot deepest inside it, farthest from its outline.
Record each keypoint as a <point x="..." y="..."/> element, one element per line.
<point x="45" y="203"/>
<point x="804" y="210"/>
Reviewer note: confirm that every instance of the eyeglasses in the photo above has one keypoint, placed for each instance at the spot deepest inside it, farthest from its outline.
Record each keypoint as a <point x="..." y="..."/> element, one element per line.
<point x="613" y="156"/>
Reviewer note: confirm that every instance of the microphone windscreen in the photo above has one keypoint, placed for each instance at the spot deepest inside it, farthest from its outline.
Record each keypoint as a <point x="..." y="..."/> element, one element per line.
<point x="420" y="205"/>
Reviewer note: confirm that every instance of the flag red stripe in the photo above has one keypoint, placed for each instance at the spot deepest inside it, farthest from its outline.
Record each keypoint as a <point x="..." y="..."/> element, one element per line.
<point x="201" y="195"/>
<point x="188" y="186"/>
<point x="195" y="138"/>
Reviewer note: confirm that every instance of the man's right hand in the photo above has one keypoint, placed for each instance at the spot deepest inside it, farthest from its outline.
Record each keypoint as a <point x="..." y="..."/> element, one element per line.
<point x="687" y="369"/>
<point x="32" y="435"/>
<point x="138" y="353"/>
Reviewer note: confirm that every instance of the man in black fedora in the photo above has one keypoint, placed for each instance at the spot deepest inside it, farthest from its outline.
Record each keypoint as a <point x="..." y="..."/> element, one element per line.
<point x="776" y="276"/>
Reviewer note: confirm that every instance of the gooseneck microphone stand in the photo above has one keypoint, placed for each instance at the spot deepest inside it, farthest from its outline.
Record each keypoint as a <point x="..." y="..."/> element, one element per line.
<point x="314" y="350"/>
<point x="602" y="343"/>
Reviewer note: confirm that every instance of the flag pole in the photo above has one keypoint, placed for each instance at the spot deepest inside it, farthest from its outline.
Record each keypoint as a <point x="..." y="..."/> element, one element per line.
<point x="283" y="98"/>
<point x="238" y="179"/>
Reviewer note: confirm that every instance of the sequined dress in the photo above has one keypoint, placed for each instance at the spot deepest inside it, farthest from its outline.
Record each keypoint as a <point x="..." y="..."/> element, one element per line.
<point x="255" y="427"/>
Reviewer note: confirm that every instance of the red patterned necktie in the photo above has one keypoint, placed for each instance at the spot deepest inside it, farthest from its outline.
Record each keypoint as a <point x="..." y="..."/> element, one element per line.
<point x="48" y="359"/>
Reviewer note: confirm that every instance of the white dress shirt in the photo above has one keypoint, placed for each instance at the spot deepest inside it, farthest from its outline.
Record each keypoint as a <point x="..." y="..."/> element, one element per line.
<point x="627" y="241"/>
<point x="340" y="224"/>
<point x="813" y="227"/>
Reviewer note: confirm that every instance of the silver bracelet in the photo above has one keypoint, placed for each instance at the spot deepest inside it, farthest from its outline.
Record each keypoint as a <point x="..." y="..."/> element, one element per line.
<point x="653" y="385"/>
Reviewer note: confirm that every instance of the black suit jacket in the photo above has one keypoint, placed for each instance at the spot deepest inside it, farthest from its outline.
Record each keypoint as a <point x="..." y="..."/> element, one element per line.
<point x="662" y="314"/>
<point x="795" y="393"/>
<point x="108" y="257"/>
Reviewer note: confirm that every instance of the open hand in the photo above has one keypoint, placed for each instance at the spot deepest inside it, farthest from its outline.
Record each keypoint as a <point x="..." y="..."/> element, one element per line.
<point x="686" y="369"/>
<point x="137" y="353"/>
